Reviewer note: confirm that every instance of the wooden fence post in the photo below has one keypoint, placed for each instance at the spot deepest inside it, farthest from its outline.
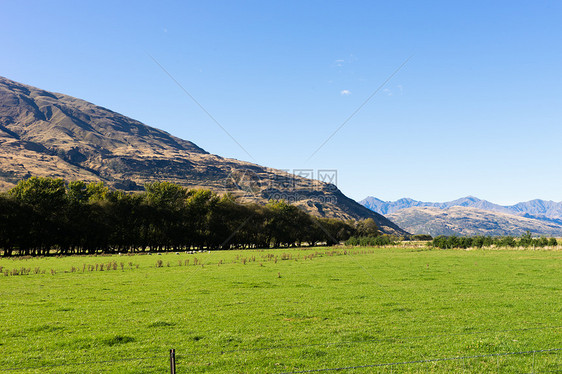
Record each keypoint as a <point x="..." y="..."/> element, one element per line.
<point x="172" y="361"/>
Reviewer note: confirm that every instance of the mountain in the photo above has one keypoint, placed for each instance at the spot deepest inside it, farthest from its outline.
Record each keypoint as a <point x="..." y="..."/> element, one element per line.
<point x="538" y="209"/>
<point x="469" y="221"/>
<point x="50" y="134"/>
<point x="386" y="207"/>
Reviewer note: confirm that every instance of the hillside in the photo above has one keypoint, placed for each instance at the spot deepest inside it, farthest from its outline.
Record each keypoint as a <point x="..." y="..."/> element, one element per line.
<point x="458" y="220"/>
<point x="55" y="135"/>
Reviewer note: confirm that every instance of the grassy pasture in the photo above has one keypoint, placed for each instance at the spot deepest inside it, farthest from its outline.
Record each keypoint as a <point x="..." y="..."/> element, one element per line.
<point x="284" y="310"/>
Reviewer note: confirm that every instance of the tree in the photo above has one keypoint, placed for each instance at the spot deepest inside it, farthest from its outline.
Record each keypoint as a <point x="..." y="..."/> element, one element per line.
<point x="47" y="198"/>
<point x="228" y="224"/>
<point x="335" y="230"/>
<point x="77" y="192"/>
<point x="526" y="239"/>
<point x="14" y="218"/>
<point x="43" y="193"/>
<point x="97" y="191"/>
<point x="285" y="223"/>
<point x="200" y="205"/>
<point x="367" y="227"/>
<point x="165" y="195"/>
<point x="508" y="241"/>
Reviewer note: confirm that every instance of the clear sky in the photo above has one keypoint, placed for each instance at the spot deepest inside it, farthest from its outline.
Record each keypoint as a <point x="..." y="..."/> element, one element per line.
<point x="476" y="110"/>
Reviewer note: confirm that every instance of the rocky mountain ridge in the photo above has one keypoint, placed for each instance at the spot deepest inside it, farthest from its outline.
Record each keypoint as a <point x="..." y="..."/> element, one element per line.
<point x="470" y="221"/>
<point x="538" y="209"/>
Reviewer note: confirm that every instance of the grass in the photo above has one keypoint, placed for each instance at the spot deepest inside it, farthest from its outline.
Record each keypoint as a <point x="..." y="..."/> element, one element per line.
<point x="284" y="310"/>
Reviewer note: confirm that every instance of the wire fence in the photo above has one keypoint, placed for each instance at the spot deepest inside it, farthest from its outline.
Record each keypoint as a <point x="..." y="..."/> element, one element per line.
<point x="424" y="361"/>
<point x="172" y="362"/>
<point x="187" y="356"/>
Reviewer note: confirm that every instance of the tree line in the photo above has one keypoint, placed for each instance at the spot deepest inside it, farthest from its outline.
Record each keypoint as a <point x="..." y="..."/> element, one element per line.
<point x="43" y="216"/>
<point x="372" y="241"/>
<point x="526" y="241"/>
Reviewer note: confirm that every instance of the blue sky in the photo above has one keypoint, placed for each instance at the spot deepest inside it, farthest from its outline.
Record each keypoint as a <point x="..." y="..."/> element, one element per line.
<point x="476" y="110"/>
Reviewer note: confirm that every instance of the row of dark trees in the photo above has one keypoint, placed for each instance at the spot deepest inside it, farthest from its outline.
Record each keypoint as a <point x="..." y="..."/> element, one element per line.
<point x="526" y="241"/>
<point x="42" y="216"/>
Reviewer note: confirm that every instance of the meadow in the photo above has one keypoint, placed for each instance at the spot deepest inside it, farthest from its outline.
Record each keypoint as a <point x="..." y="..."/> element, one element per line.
<point x="283" y="311"/>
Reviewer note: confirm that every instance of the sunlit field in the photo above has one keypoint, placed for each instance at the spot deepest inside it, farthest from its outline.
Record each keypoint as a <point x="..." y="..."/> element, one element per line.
<point x="284" y="310"/>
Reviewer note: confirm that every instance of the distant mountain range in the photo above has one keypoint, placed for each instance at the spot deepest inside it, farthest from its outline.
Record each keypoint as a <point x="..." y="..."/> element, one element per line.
<point x="468" y="221"/>
<point x="539" y="209"/>
<point x="471" y="216"/>
<point x="55" y="135"/>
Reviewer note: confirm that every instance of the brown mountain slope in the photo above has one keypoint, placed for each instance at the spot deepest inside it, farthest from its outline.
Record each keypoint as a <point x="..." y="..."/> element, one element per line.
<point x="469" y="221"/>
<point x="50" y="134"/>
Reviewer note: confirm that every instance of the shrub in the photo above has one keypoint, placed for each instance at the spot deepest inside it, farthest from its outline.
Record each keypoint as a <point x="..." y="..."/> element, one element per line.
<point x="422" y="237"/>
<point x="371" y="241"/>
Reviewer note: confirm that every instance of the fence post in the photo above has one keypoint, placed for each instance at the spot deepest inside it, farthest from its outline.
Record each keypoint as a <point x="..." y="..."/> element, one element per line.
<point x="172" y="361"/>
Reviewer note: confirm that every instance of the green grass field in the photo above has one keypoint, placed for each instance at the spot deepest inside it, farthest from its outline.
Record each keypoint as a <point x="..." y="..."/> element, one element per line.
<point x="285" y="310"/>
